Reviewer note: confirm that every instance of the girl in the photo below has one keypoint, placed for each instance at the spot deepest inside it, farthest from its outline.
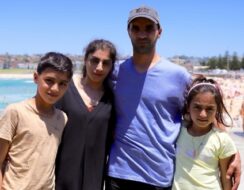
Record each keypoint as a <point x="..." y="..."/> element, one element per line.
<point x="88" y="104"/>
<point x="204" y="150"/>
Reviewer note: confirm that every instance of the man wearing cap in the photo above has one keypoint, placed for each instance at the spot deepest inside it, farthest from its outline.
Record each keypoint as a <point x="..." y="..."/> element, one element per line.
<point x="148" y="100"/>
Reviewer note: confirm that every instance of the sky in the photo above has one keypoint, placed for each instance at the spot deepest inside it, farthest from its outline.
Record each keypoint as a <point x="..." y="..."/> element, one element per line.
<point x="199" y="28"/>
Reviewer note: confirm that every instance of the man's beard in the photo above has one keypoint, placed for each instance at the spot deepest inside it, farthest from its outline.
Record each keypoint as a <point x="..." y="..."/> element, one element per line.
<point x="145" y="49"/>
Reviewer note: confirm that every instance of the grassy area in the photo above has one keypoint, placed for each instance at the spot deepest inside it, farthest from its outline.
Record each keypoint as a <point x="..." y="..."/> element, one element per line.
<point x="16" y="71"/>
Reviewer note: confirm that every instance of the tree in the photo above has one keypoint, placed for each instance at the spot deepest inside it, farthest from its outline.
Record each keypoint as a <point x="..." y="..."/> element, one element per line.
<point x="234" y="63"/>
<point x="220" y="63"/>
<point x="203" y="63"/>
<point x="7" y="61"/>
<point x="212" y="63"/>
<point x="226" y="60"/>
<point x="242" y="62"/>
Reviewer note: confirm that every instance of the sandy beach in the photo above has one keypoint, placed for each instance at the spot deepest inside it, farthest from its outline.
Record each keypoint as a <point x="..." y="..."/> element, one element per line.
<point x="238" y="136"/>
<point x="5" y="75"/>
<point x="20" y="75"/>
<point x="233" y="91"/>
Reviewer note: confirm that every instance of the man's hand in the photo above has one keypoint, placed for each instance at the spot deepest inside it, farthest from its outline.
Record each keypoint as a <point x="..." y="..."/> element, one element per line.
<point x="234" y="171"/>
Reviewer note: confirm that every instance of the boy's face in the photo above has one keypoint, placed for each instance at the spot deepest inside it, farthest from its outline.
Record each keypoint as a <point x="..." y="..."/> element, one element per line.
<point x="51" y="85"/>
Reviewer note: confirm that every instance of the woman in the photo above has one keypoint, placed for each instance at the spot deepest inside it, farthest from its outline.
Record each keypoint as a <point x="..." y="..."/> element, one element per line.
<point x="88" y="105"/>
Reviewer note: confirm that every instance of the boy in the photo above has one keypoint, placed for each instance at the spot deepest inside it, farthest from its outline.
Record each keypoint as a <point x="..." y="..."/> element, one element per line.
<point x="30" y="131"/>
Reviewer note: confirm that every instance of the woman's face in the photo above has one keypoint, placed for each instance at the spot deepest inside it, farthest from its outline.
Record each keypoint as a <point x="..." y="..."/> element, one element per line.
<point x="98" y="66"/>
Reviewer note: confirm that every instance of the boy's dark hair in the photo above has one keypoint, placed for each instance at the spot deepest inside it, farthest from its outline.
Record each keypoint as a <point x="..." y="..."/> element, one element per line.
<point x="57" y="62"/>
<point x="100" y="44"/>
<point x="202" y="84"/>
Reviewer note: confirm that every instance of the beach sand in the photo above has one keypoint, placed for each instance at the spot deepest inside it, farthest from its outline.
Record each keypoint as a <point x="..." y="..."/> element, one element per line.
<point x="237" y="135"/>
<point x="233" y="91"/>
<point x="20" y="76"/>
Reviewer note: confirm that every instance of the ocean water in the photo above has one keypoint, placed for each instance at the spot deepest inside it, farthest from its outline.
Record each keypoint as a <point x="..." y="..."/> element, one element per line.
<point x="14" y="90"/>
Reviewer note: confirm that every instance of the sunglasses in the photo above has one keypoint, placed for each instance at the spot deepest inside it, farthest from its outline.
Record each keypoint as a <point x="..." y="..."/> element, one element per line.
<point x="95" y="61"/>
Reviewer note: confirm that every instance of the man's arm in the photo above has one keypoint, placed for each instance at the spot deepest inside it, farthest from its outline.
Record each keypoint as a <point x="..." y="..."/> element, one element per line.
<point x="226" y="183"/>
<point x="234" y="171"/>
<point x="4" y="146"/>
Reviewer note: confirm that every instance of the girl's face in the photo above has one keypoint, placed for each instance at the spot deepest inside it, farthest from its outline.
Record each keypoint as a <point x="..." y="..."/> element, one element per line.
<point x="202" y="110"/>
<point x="98" y="66"/>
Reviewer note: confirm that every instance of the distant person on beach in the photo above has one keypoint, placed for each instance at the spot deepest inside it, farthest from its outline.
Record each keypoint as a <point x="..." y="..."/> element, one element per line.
<point x="149" y="96"/>
<point x="203" y="150"/>
<point x="88" y="104"/>
<point x="31" y="130"/>
<point x="242" y="113"/>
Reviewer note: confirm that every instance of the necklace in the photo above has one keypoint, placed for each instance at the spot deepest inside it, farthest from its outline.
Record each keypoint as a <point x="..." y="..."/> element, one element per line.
<point x="90" y="96"/>
<point x="94" y="102"/>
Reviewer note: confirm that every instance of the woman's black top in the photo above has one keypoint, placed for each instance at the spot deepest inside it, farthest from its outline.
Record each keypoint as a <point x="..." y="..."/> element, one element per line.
<point x="82" y="154"/>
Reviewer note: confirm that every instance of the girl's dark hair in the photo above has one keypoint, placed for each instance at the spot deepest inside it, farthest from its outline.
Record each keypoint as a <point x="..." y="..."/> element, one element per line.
<point x="100" y="44"/>
<point x="57" y="62"/>
<point x="202" y="84"/>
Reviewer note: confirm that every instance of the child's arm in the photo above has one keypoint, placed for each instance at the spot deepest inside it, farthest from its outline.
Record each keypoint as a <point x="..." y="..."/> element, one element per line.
<point x="224" y="163"/>
<point x="4" y="146"/>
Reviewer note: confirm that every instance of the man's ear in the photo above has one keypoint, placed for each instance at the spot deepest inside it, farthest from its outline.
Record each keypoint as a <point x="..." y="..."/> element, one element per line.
<point x="160" y="31"/>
